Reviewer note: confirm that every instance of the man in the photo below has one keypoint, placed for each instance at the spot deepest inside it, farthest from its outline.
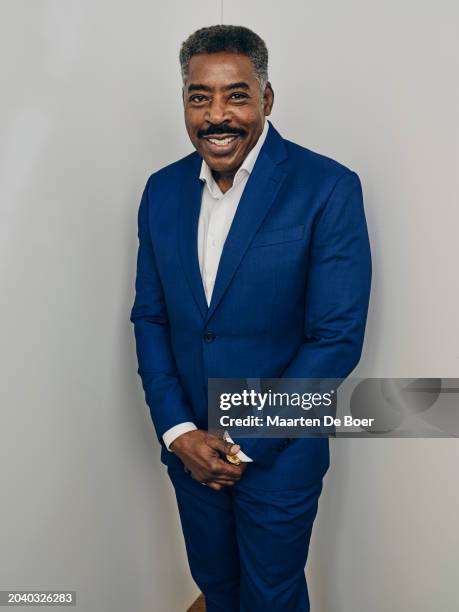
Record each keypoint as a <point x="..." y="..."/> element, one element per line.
<point x="253" y="261"/>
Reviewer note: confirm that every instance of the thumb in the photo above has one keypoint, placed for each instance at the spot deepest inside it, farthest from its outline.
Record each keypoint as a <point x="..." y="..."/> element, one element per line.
<point x="227" y="448"/>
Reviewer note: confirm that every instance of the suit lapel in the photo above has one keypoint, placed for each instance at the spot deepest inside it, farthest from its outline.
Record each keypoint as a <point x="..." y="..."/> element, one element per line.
<point x="259" y="194"/>
<point x="189" y="207"/>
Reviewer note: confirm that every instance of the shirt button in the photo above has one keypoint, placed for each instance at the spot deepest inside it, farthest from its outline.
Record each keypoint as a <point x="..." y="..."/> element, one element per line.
<point x="209" y="336"/>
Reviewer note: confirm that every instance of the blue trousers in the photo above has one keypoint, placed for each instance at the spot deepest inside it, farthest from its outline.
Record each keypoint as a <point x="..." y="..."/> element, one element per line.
<point x="247" y="548"/>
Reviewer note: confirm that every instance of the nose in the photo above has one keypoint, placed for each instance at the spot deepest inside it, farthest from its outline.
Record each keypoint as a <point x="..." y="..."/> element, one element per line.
<point x="218" y="112"/>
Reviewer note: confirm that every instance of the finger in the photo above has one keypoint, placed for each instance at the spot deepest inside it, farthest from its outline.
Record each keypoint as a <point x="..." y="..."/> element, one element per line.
<point x="227" y="448"/>
<point x="226" y="482"/>
<point x="215" y="468"/>
<point x="223" y="469"/>
<point x="220" y="469"/>
<point x="215" y="486"/>
<point x="202" y="478"/>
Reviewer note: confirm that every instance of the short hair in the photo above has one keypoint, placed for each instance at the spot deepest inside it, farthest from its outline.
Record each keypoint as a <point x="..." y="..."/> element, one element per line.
<point x="229" y="39"/>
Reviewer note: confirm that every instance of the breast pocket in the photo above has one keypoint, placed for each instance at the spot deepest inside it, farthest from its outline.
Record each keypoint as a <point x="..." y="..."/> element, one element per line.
<point x="278" y="236"/>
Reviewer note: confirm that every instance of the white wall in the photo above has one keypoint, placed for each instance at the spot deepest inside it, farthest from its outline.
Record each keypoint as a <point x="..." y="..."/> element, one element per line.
<point x="87" y="114"/>
<point x="92" y="106"/>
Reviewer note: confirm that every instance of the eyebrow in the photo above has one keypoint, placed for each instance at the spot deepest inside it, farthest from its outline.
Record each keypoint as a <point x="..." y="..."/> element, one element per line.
<point x="200" y="87"/>
<point x="239" y="85"/>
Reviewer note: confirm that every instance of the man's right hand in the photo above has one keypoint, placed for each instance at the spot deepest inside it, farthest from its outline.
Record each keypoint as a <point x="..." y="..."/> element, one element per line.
<point x="199" y="452"/>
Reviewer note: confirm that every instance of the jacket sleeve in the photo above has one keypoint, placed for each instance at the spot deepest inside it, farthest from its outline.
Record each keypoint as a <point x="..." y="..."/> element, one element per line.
<point x="337" y="297"/>
<point x="157" y="369"/>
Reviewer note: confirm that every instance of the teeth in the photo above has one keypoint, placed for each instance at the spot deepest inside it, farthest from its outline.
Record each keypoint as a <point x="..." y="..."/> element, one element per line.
<point x="222" y="141"/>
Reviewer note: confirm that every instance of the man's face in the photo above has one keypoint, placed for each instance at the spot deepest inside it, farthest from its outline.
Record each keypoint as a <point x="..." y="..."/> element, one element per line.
<point x="224" y="108"/>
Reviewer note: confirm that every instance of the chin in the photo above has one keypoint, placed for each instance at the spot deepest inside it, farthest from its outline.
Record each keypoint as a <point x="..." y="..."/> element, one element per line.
<point x="222" y="161"/>
<point x="220" y="165"/>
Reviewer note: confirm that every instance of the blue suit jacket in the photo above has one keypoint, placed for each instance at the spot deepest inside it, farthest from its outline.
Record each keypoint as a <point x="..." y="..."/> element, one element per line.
<point x="290" y="298"/>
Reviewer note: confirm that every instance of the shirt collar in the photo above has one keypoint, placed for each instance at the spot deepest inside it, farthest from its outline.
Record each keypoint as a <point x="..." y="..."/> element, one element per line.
<point x="245" y="168"/>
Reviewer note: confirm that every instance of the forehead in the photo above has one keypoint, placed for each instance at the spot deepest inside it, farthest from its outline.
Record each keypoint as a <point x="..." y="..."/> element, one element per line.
<point x="219" y="69"/>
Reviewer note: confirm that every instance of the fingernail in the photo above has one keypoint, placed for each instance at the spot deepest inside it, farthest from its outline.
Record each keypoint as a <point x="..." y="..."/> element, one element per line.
<point x="235" y="449"/>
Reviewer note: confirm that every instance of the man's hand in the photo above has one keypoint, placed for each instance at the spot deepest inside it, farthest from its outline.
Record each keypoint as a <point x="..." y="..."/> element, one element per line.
<point x="199" y="452"/>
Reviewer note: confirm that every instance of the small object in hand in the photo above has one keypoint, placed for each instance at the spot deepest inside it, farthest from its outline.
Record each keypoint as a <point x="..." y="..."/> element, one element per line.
<point x="234" y="459"/>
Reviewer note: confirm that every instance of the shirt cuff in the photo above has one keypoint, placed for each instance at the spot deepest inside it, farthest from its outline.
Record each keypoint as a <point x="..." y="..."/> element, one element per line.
<point x="174" y="432"/>
<point x="242" y="456"/>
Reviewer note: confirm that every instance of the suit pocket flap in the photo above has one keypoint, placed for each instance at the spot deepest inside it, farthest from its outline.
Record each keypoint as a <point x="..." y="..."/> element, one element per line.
<point x="284" y="234"/>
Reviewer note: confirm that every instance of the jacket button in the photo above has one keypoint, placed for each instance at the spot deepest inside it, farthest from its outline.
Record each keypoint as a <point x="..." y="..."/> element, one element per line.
<point x="209" y="336"/>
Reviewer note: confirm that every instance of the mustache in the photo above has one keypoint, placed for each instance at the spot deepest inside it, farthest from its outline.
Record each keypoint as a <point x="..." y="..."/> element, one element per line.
<point x="217" y="130"/>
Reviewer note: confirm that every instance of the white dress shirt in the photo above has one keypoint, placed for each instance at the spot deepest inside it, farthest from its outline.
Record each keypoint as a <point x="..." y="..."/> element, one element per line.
<point x="215" y="219"/>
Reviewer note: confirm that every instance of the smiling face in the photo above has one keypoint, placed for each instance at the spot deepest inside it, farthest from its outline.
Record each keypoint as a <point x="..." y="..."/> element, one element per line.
<point x="224" y="108"/>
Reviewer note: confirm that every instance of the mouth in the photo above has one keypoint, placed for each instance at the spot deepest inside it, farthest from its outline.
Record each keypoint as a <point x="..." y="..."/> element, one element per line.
<point x="223" y="144"/>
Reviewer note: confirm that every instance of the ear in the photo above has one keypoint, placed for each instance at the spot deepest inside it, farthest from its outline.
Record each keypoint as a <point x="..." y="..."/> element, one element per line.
<point x="268" y="99"/>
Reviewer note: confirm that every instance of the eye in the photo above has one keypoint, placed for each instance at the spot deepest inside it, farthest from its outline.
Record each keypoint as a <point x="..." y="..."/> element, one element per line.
<point x="237" y="95"/>
<point x="197" y="98"/>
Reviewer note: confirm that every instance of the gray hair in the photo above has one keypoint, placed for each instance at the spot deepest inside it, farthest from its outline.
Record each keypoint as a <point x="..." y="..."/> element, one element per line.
<point x="229" y="39"/>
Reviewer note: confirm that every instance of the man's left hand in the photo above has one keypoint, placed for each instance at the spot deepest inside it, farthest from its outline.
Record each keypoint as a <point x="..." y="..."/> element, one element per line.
<point x="220" y="484"/>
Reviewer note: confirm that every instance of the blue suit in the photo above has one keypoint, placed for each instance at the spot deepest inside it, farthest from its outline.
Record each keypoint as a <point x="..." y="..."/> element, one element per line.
<point x="290" y="300"/>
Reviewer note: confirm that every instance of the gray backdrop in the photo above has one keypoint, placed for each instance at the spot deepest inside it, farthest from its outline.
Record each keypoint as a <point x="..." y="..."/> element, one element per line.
<point x="91" y="107"/>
